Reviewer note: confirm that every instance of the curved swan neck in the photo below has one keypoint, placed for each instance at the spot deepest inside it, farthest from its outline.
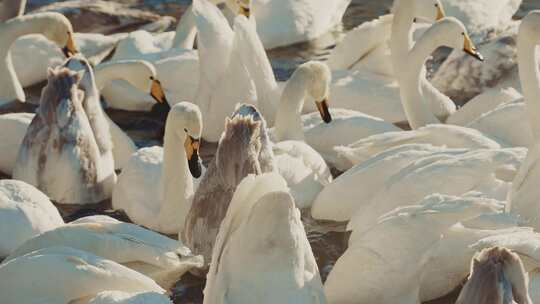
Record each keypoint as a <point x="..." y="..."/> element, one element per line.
<point x="530" y="77"/>
<point x="136" y="73"/>
<point x="176" y="178"/>
<point x="288" y="124"/>
<point x="415" y="106"/>
<point x="186" y="31"/>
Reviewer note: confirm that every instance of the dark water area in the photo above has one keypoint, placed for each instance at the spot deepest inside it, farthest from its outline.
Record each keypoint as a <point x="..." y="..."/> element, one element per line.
<point x="328" y="240"/>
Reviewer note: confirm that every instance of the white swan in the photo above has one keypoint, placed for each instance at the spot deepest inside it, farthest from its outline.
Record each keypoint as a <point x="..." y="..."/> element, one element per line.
<point x="224" y="80"/>
<point x="78" y="276"/>
<point x="483" y="171"/>
<point x="284" y="22"/>
<point x="386" y="264"/>
<point x="244" y="148"/>
<point x="311" y="80"/>
<point x="263" y="227"/>
<point x="11" y="9"/>
<point x="155" y="187"/>
<point x="156" y="256"/>
<point x="54" y="26"/>
<point x="376" y="93"/>
<point x="24" y="213"/>
<point x="10" y="141"/>
<point x="66" y="151"/>
<point x="497" y="276"/>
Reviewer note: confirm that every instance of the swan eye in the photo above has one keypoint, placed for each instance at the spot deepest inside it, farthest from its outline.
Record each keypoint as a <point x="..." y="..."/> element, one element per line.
<point x="185" y="130"/>
<point x="436" y="4"/>
<point x="462" y="34"/>
<point x="151" y="77"/>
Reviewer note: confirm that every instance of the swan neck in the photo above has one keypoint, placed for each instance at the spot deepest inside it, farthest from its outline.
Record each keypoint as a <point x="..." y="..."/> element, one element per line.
<point x="186" y="31"/>
<point x="401" y="40"/>
<point x="410" y="83"/>
<point x="530" y="79"/>
<point x="176" y="178"/>
<point x="288" y="124"/>
<point x="12" y="29"/>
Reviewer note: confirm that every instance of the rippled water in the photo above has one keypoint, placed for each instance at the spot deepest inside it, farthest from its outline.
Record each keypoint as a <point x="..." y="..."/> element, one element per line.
<point x="327" y="239"/>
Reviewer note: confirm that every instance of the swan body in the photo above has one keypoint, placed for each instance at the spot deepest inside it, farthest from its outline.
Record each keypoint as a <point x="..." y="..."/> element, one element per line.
<point x="54" y="26"/>
<point x="263" y="226"/>
<point x="484" y="171"/>
<point x="244" y="148"/>
<point x="60" y="141"/>
<point x="10" y="141"/>
<point x="156" y="256"/>
<point x="24" y="212"/>
<point x="448" y="136"/>
<point x="44" y="53"/>
<point x="386" y="264"/>
<point x="371" y="174"/>
<point x="78" y="276"/>
<point x="497" y="276"/>
<point x="155" y="187"/>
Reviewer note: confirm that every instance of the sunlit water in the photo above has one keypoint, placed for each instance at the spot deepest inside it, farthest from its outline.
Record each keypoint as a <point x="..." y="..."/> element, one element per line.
<point x="327" y="239"/>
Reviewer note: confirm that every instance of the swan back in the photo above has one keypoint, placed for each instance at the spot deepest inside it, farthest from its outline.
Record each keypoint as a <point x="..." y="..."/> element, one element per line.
<point x="497" y="277"/>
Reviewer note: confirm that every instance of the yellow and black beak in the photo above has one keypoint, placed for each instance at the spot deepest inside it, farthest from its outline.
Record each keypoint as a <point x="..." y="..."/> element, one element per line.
<point x="156" y="91"/>
<point x="70" y="49"/>
<point x="322" y="106"/>
<point x="440" y="12"/>
<point x="469" y="48"/>
<point x="244" y="11"/>
<point x="192" y="152"/>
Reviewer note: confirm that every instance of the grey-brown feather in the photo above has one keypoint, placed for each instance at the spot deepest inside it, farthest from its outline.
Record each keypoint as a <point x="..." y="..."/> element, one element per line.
<point x="244" y="148"/>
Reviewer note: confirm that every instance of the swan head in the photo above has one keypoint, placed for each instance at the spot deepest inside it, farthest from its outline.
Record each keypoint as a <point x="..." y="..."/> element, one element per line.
<point x="530" y="26"/>
<point x="427" y="11"/>
<point x="185" y="122"/>
<point x="497" y="276"/>
<point x="240" y="7"/>
<point x="452" y="33"/>
<point x="318" y="86"/>
<point x="60" y="96"/>
<point x="239" y="149"/>
<point x="60" y="31"/>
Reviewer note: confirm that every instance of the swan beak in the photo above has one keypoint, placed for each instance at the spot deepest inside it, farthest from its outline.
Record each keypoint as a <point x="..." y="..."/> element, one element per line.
<point x="192" y="151"/>
<point x="440" y="12"/>
<point x="322" y="106"/>
<point x="245" y="11"/>
<point x="469" y="48"/>
<point x="156" y="91"/>
<point x="70" y="49"/>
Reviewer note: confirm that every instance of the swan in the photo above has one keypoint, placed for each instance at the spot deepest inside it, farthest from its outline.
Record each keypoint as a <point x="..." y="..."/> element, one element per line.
<point x="162" y="259"/>
<point x="263" y="227"/>
<point x="386" y="264"/>
<point x="376" y="93"/>
<point x="285" y="22"/>
<point x="140" y="73"/>
<point x="483" y="171"/>
<point x="78" y="276"/>
<point x="520" y="112"/>
<point x="24" y="212"/>
<point x="155" y="188"/>
<point x="223" y="78"/>
<point x="61" y="153"/>
<point x="311" y="80"/>
<point x="497" y="276"/>
<point x="11" y="9"/>
<point x="244" y="148"/>
<point x="54" y="26"/>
